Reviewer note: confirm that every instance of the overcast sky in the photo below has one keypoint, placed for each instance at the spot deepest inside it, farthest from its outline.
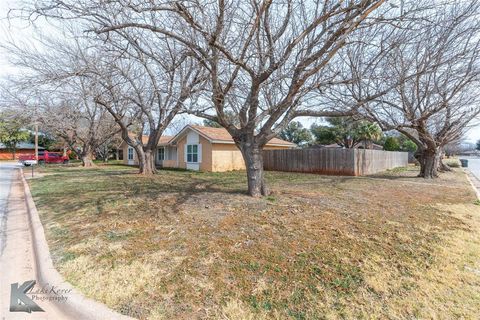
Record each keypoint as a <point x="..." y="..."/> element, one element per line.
<point x="5" y="33"/>
<point x="22" y="32"/>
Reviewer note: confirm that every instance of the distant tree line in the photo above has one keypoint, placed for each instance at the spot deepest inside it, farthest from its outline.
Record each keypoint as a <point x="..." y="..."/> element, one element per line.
<point x="346" y="132"/>
<point x="12" y="130"/>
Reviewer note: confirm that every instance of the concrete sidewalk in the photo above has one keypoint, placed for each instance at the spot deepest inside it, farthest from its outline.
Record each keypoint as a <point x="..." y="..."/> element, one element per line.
<point x="17" y="263"/>
<point x="26" y="257"/>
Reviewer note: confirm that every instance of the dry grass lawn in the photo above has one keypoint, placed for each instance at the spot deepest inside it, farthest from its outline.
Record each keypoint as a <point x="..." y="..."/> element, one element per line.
<point x="191" y="245"/>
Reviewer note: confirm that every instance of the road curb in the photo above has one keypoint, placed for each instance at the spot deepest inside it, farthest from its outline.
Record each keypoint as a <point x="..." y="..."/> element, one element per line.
<point x="77" y="306"/>
<point x="468" y="173"/>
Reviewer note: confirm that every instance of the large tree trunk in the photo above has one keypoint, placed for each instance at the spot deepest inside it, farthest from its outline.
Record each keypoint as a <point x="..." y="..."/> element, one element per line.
<point x="87" y="157"/>
<point x="442" y="167"/>
<point x="253" y="158"/>
<point x="146" y="161"/>
<point x="429" y="162"/>
<point x="105" y="155"/>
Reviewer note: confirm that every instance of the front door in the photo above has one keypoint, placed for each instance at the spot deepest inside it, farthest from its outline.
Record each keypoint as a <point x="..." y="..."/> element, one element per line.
<point x="130" y="158"/>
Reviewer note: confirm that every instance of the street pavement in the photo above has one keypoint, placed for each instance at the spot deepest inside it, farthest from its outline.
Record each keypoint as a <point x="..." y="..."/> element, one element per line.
<point x="473" y="171"/>
<point x="473" y="166"/>
<point x="6" y="174"/>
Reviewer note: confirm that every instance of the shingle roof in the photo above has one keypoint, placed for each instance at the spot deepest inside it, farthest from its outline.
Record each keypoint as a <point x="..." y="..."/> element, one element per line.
<point x="221" y="134"/>
<point x="164" y="140"/>
<point x="218" y="135"/>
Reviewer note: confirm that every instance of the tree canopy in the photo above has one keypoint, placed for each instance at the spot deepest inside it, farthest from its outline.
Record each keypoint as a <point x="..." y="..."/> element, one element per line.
<point x="296" y="133"/>
<point x="347" y="132"/>
<point x="253" y="67"/>
<point x="12" y="130"/>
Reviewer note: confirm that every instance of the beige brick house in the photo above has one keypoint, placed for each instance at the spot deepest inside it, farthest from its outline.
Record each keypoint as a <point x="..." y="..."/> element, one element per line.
<point x="200" y="148"/>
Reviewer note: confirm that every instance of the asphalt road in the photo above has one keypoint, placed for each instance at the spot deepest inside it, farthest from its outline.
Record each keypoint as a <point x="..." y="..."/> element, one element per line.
<point x="473" y="166"/>
<point x="474" y="172"/>
<point x="6" y="175"/>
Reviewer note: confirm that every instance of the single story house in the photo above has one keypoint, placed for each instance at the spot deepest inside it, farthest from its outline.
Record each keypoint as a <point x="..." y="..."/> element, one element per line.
<point x="22" y="148"/>
<point x="200" y="148"/>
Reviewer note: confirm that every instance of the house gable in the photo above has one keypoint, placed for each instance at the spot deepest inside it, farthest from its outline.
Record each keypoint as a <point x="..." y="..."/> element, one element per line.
<point x="204" y="153"/>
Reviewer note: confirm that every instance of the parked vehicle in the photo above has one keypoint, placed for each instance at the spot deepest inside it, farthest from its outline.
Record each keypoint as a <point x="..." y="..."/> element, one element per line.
<point x="44" y="157"/>
<point x="27" y="160"/>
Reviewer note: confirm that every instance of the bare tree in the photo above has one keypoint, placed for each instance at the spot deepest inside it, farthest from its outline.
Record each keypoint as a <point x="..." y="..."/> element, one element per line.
<point x="156" y="87"/>
<point x="267" y="61"/>
<point x="83" y="124"/>
<point x="68" y="113"/>
<point x="142" y="82"/>
<point x="109" y="147"/>
<point x="179" y="123"/>
<point x="431" y="60"/>
<point x="63" y="104"/>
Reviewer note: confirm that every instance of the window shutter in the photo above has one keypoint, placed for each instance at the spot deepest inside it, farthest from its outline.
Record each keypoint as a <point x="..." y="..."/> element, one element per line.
<point x="185" y="153"/>
<point x="200" y="153"/>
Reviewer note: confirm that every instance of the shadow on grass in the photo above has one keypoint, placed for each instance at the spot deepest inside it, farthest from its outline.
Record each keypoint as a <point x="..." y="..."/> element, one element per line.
<point x="71" y="190"/>
<point x="392" y="177"/>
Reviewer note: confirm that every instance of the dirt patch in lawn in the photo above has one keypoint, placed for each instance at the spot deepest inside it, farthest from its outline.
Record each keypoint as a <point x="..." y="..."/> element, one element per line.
<point x="190" y="245"/>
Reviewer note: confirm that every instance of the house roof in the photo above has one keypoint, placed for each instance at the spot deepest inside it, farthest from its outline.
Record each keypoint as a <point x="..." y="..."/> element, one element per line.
<point x="23" y="145"/>
<point x="221" y="135"/>
<point x="214" y="135"/>
<point x="164" y="140"/>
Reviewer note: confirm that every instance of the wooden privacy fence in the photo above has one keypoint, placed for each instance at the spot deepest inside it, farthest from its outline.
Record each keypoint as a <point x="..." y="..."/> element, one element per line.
<point x="333" y="161"/>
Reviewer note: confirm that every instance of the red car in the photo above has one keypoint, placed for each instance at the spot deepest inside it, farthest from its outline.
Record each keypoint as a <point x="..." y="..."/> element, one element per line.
<point x="44" y="157"/>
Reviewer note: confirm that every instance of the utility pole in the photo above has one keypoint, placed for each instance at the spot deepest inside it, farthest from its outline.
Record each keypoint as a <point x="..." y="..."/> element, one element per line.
<point x="36" y="141"/>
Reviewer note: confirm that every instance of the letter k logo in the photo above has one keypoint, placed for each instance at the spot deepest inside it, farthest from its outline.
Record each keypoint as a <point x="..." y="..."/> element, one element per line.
<point x="19" y="301"/>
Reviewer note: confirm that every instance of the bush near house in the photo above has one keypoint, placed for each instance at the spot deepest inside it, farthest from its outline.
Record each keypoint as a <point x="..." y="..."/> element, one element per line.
<point x="391" y="144"/>
<point x="192" y="245"/>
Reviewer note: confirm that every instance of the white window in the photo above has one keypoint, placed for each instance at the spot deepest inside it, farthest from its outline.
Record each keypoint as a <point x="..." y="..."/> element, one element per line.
<point x="130" y="154"/>
<point x="192" y="153"/>
<point x="161" y="154"/>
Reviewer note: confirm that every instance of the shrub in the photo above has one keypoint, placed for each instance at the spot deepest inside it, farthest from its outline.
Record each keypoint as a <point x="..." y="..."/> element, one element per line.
<point x="409" y="145"/>
<point x="453" y="163"/>
<point x="391" y="144"/>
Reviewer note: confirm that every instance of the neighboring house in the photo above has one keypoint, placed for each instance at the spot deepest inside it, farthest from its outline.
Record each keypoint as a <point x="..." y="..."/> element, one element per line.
<point x="22" y="148"/>
<point x="200" y="148"/>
